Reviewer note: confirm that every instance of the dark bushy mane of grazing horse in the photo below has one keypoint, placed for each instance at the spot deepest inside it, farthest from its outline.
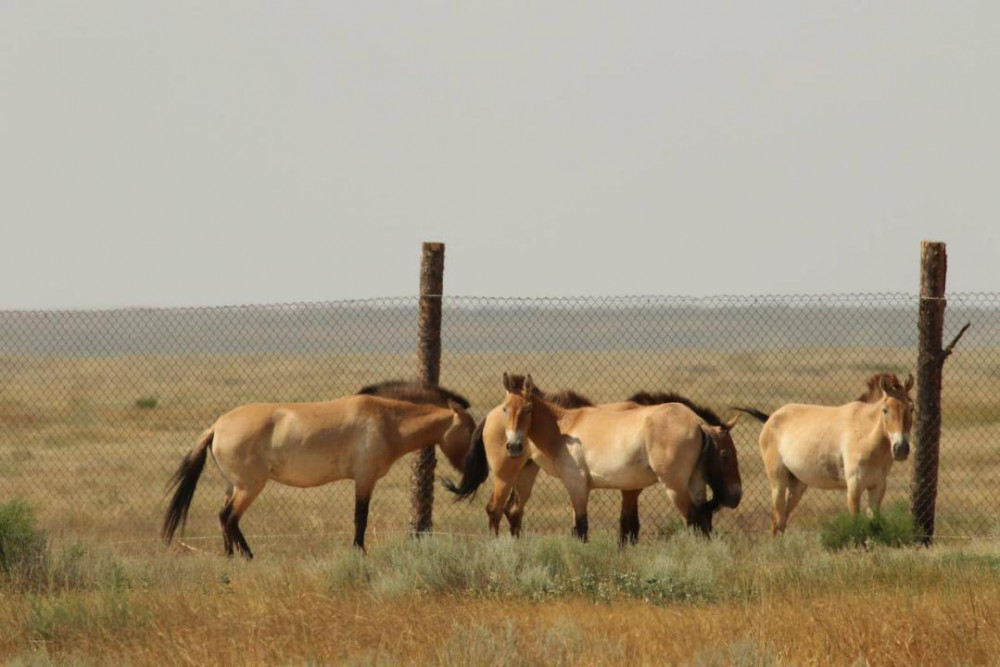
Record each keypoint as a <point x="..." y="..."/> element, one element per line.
<point x="414" y="391"/>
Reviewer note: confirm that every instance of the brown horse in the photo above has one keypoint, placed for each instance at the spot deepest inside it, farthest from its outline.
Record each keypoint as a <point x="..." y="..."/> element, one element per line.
<point x="629" y="517"/>
<point x="594" y="447"/>
<point x="850" y="446"/>
<point x="310" y="444"/>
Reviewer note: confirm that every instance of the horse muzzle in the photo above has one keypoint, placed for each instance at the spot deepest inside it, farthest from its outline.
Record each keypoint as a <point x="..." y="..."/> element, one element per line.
<point x="515" y="448"/>
<point x="732" y="497"/>
<point x="901" y="450"/>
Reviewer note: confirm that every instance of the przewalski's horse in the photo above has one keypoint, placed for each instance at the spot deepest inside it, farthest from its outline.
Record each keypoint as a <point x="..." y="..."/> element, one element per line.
<point x="593" y="447"/>
<point x="310" y="444"/>
<point x="850" y="446"/>
<point x="629" y="518"/>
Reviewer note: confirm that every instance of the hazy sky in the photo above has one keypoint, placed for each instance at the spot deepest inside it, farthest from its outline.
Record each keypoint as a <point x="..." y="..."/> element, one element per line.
<point x="187" y="153"/>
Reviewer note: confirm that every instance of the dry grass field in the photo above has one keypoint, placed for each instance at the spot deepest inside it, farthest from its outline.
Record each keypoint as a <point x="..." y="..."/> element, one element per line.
<point x="734" y="600"/>
<point x="89" y="443"/>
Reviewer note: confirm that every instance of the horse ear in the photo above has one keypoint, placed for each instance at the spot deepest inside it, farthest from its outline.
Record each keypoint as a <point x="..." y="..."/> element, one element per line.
<point x="732" y="422"/>
<point x="455" y="406"/>
<point x="909" y="383"/>
<point x="506" y="382"/>
<point x="884" y="383"/>
<point x="529" y="386"/>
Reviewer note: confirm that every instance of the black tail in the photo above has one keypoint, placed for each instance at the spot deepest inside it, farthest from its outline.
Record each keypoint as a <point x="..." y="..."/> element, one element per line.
<point x="186" y="481"/>
<point x="756" y="414"/>
<point x="475" y="470"/>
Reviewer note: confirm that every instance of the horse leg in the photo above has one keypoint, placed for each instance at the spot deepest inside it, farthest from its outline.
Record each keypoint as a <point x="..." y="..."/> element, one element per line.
<point x="229" y="517"/>
<point x="514" y="508"/>
<point x="853" y="494"/>
<point x="680" y="496"/>
<point x="628" y="527"/>
<point x="796" y="488"/>
<point x="875" y="495"/>
<point x="502" y="489"/>
<point x="575" y="481"/>
<point x="779" y="511"/>
<point x="363" y="488"/>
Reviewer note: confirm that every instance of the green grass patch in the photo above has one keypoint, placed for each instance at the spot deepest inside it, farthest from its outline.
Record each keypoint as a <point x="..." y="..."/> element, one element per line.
<point x="146" y="402"/>
<point x="24" y="549"/>
<point x="892" y="528"/>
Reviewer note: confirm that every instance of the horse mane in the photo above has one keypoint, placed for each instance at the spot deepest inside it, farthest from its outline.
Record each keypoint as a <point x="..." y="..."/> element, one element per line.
<point x="657" y="398"/>
<point x="873" y="391"/>
<point x="567" y="398"/>
<point x="414" y="391"/>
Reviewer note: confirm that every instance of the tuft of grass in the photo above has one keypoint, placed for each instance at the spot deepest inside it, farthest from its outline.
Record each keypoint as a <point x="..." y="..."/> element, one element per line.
<point x="146" y="402"/>
<point x="893" y="528"/>
<point x="24" y="548"/>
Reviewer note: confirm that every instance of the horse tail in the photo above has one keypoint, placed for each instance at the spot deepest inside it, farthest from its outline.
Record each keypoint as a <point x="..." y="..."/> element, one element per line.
<point x="186" y="481"/>
<point x="474" y="471"/>
<point x="756" y="414"/>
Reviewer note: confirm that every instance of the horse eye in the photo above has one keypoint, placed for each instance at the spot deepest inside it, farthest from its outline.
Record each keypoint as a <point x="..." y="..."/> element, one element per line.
<point x="505" y="409"/>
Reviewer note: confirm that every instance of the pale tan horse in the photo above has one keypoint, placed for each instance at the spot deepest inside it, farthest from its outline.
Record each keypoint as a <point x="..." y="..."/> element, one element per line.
<point x="850" y="446"/>
<point x="628" y="532"/>
<point x="591" y="448"/>
<point x="311" y="444"/>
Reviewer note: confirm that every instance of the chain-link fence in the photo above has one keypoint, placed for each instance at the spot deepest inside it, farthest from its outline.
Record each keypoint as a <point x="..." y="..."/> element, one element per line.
<point x="97" y="409"/>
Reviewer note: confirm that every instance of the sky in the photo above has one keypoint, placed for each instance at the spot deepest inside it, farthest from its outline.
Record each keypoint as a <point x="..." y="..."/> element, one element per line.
<point x="208" y="153"/>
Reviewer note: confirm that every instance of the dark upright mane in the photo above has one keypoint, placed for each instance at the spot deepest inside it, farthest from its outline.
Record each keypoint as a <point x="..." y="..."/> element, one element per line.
<point x="656" y="398"/>
<point x="414" y="391"/>
<point x="567" y="398"/>
<point x="873" y="392"/>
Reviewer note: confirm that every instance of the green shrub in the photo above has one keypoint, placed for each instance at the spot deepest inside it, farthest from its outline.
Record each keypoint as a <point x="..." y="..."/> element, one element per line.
<point x="24" y="549"/>
<point x="146" y="403"/>
<point x="893" y="528"/>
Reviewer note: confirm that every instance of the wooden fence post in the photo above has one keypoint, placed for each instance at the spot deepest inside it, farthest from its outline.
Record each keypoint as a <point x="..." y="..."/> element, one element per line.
<point x="927" y="429"/>
<point x="429" y="360"/>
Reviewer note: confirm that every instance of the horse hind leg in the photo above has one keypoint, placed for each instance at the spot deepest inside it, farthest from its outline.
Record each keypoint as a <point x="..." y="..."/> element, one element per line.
<point x="796" y="488"/>
<point x="779" y="506"/>
<point x="229" y="517"/>
<point x="628" y="527"/>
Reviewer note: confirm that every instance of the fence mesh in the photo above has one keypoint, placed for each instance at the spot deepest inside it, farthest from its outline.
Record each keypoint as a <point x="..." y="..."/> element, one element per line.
<point x="97" y="408"/>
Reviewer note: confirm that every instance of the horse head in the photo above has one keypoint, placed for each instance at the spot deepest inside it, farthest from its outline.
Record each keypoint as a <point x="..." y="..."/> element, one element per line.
<point x="722" y="467"/>
<point x="517" y="407"/>
<point x="897" y="413"/>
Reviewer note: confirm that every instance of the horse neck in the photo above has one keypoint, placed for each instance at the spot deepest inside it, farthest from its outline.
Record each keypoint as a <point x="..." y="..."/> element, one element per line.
<point x="872" y="412"/>
<point x="546" y="421"/>
<point x="422" y="426"/>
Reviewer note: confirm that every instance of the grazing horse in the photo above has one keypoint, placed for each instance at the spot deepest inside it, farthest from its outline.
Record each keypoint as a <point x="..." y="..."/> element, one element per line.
<point x="594" y="447"/>
<point x="629" y="518"/>
<point x="850" y="446"/>
<point x="310" y="444"/>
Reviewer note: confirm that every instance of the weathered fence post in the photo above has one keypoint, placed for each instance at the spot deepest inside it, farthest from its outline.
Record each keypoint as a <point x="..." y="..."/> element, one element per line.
<point x="930" y="366"/>
<point x="927" y="430"/>
<point x="429" y="359"/>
